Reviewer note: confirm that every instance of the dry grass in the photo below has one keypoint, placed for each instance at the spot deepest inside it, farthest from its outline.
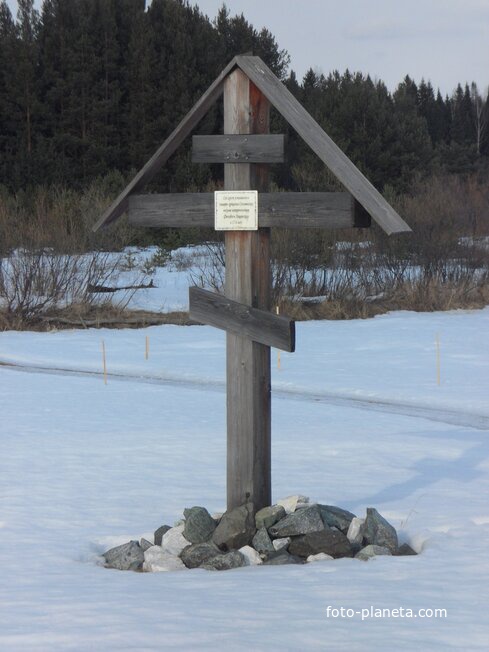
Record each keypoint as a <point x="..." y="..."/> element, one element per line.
<point x="416" y="297"/>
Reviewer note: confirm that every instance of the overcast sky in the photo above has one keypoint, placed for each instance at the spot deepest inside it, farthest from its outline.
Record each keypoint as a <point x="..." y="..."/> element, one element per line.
<point x="445" y="41"/>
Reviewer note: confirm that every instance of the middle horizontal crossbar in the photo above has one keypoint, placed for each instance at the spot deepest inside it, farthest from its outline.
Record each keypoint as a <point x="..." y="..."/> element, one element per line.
<point x="257" y="325"/>
<point x="292" y="210"/>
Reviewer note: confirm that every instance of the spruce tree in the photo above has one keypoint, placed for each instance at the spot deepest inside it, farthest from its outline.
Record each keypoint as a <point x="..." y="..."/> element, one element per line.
<point x="21" y="79"/>
<point x="8" y="144"/>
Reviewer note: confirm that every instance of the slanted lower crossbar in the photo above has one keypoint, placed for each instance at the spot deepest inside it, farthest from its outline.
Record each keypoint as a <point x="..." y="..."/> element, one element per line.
<point x="238" y="318"/>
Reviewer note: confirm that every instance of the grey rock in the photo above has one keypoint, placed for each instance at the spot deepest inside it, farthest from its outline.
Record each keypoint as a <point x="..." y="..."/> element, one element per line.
<point x="329" y="541"/>
<point x="299" y="522"/>
<point x="405" y="550"/>
<point x="197" y="554"/>
<point x="236" y="528"/>
<point x="379" y="532"/>
<point x="226" y="561"/>
<point x="268" y="516"/>
<point x="336" y="517"/>
<point x="372" y="551"/>
<point x="129" y="556"/>
<point x="262" y="542"/>
<point x="199" y="525"/>
<point x="159" y="534"/>
<point x="282" y="557"/>
<point x="145" y="544"/>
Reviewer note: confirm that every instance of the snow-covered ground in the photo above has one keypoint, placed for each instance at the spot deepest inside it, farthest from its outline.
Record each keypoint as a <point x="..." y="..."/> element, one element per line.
<point x="358" y="420"/>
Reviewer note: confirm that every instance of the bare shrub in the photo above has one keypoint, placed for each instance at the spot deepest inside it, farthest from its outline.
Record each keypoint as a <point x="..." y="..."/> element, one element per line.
<point x="209" y="270"/>
<point x="35" y="283"/>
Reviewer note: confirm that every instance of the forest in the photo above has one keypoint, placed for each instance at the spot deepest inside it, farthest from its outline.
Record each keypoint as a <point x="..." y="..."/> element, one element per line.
<point x="90" y="88"/>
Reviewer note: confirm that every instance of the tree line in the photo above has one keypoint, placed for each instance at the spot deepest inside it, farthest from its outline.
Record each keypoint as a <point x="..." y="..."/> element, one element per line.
<point x="92" y="86"/>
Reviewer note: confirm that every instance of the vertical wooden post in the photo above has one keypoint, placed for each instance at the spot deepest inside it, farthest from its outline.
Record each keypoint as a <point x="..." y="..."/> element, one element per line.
<point x="248" y="281"/>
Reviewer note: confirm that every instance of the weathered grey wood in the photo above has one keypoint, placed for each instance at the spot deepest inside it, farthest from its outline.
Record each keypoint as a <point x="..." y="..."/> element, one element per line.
<point x="291" y="210"/>
<point x="346" y="172"/>
<point x="247" y="281"/>
<point x="258" y="325"/>
<point x="163" y="153"/>
<point x="235" y="148"/>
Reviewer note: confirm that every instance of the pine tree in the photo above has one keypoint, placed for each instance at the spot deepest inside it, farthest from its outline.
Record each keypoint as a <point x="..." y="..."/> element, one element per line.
<point x="56" y="29"/>
<point x="139" y="92"/>
<point x="428" y="109"/>
<point x="485" y="131"/>
<point x="21" y="79"/>
<point x="462" y="119"/>
<point x="443" y="120"/>
<point x="238" y="36"/>
<point x="411" y="151"/>
<point x="8" y="145"/>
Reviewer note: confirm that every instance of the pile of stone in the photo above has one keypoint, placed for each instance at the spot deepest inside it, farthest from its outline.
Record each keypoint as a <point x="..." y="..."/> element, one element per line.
<point x="293" y="531"/>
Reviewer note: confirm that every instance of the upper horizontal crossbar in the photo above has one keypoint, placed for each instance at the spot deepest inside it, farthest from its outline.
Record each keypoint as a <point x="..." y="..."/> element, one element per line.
<point x="238" y="148"/>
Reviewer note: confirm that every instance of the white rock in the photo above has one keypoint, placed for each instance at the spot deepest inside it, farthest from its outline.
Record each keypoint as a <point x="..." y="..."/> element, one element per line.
<point x="252" y="556"/>
<point x="173" y="541"/>
<point x="355" y="531"/>
<point x="157" y="560"/>
<point x="321" y="556"/>
<point x="278" y="544"/>
<point x="291" y="503"/>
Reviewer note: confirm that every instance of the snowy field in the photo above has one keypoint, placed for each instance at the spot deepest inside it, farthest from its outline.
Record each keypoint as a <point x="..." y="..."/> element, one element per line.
<point x="358" y="420"/>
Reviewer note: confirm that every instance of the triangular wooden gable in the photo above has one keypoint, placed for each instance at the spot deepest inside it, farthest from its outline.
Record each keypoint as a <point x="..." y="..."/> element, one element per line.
<point x="299" y="119"/>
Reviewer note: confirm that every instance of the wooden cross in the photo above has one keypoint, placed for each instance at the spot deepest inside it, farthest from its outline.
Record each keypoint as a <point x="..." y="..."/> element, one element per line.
<point x="246" y="148"/>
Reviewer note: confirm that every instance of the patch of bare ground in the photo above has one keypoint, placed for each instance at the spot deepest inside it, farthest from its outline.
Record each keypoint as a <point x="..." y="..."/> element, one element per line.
<point x="91" y="317"/>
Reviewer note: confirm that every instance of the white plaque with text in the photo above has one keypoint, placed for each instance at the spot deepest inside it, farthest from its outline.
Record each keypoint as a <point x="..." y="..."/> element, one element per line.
<point x="236" y="210"/>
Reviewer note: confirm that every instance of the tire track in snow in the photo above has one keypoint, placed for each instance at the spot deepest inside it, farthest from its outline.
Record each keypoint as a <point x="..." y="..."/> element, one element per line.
<point x="451" y="417"/>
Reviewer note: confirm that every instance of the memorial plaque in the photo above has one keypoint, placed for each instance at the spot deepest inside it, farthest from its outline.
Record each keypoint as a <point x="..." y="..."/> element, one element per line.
<point x="236" y="210"/>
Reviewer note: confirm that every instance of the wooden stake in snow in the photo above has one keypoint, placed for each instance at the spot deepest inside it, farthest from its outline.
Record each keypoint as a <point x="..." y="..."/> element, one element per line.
<point x="104" y="362"/>
<point x="438" y="374"/>
<point x="146" y="353"/>
<point x="278" y="352"/>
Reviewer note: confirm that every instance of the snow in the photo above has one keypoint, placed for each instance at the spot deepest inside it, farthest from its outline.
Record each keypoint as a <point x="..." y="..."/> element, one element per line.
<point x="185" y="267"/>
<point x="358" y="421"/>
